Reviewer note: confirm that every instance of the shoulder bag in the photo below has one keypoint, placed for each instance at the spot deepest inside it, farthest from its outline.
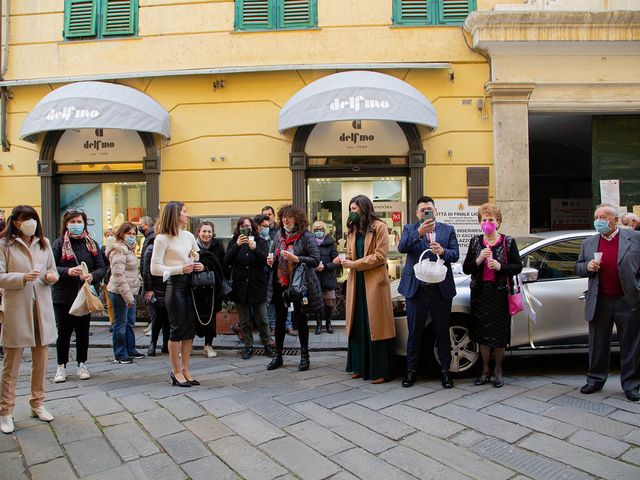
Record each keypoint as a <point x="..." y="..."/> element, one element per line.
<point x="516" y="305"/>
<point x="297" y="291"/>
<point x="204" y="279"/>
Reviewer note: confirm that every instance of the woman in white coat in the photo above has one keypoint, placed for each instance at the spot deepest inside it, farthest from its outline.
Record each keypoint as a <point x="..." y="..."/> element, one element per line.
<point x="27" y="271"/>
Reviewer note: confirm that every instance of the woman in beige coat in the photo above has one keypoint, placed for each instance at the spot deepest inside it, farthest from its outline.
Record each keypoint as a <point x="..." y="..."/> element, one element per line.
<point x="369" y="315"/>
<point x="27" y="271"/>
<point x="122" y="287"/>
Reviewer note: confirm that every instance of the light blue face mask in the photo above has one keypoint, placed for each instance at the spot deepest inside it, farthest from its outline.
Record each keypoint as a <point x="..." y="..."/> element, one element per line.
<point x="319" y="234"/>
<point x="130" y="240"/>
<point x="76" y="228"/>
<point x="264" y="233"/>
<point x="602" y="226"/>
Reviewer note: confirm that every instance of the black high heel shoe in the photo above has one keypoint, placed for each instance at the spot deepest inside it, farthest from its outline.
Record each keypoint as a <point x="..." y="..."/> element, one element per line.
<point x="176" y="383"/>
<point x="484" y="379"/>
<point x="193" y="381"/>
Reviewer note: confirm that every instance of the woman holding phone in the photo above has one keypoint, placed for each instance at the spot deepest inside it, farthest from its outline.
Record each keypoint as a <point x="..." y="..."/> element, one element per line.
<point x="174" y="252"/>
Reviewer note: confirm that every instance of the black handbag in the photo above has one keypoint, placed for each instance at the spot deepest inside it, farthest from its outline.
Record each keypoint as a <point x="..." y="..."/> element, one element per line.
<point x="227" y="287"/>
<point x="298" y="285"/>
<point x="204" y="279"/>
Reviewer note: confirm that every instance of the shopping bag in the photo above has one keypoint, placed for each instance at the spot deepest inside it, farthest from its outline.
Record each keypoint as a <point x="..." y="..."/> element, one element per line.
<point x="87" y="300"/>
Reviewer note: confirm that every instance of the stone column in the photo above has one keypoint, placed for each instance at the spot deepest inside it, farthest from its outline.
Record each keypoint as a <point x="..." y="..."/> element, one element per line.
<point x="511" y="153"/>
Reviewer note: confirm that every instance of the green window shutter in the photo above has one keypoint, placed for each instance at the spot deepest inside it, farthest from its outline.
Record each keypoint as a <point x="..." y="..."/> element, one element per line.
<point x="412" y="12"/>
<point x="297" y="13"/>
<point x="454" y="12"/>
<point x="80" y="18"/>
<point x="255" y="15"/>
<point x="119" y="17"/>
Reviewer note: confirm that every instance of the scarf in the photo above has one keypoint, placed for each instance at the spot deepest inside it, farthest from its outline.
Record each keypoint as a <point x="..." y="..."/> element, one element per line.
<point x="202" y="245"/>
<point x="67" y="251"/>
<point x="284" y="267"/>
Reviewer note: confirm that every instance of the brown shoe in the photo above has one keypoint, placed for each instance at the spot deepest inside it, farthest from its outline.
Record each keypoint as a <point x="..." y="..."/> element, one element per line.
<point x="377" y="381"/>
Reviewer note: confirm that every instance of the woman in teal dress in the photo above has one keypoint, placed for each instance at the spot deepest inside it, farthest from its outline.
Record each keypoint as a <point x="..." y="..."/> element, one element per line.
<point x="369" y="315"/>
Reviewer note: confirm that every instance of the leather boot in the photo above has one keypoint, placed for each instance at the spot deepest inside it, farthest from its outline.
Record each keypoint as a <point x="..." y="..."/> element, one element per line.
<point x="318" y="325"/>
<point x="304" y="360"/>
<point x="328" y="311"/>
<point x="151" y="351"/>
<point x="276" y="361"/>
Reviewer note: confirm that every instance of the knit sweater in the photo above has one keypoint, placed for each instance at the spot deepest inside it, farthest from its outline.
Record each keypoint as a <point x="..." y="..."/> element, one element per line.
<point x="171" y="253"/>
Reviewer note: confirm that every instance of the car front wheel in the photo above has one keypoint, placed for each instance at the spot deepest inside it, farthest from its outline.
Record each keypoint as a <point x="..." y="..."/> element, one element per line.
<point x="465" y="353"/>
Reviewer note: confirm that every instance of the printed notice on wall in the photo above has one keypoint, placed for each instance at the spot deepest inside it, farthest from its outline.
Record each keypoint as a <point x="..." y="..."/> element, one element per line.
<point x="463" y="218"/>
<point x="610" y="192"/>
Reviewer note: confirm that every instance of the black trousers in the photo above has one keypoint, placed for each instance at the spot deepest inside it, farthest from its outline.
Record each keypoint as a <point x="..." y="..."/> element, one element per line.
<point x="180" y="311"/>
<point x="427" y="301"/>
<point x="67" y="324"/>
<point x="298" y="319"/>
<point x="608" y="312"/>
<point x="160" y="322"/>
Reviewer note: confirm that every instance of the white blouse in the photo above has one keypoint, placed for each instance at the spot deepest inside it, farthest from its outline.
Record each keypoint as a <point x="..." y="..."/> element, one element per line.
<point x="171" y="254"/>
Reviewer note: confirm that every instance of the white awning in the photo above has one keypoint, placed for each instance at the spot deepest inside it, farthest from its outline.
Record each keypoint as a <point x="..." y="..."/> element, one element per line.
<point x="357" y="95"/>
<point x="95" y="105"/>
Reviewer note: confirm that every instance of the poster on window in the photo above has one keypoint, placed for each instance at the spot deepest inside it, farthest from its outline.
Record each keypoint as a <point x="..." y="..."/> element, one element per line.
<point x="571" y="213"/>
<point x="463" y="218"/>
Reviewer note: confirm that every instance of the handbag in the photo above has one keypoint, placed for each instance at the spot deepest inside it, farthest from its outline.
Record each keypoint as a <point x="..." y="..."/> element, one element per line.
<point x="87" y="300"/>
<point x="516" y="304"/>
<point x="227" y="287"/>
<point x="297" y="291"/>
<point x="204" y="279"/>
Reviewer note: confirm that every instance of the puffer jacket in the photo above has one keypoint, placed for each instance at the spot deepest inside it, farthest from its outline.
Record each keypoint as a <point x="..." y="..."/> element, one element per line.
<point x="124" y="279"/>
<point x="328" y="252"/>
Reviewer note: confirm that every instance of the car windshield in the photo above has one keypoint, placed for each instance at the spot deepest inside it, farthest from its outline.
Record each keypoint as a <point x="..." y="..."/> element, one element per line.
<point x="527" y="240"/>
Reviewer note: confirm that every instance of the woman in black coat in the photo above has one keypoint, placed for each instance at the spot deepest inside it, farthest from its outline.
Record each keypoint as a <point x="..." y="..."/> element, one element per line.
<point x="206" y="239"/>
<point x="327" y="272"/>
<point x="246" y="257"/>
<point x="152" y="283"/>
<point x="294" y="245"/>
<point x="74" y="246"/>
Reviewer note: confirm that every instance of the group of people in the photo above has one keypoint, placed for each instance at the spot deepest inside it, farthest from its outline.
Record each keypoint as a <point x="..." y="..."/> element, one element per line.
<point x="289" y="270"/>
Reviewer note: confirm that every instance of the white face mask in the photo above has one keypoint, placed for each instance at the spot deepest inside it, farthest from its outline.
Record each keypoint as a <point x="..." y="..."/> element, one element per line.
<point x="28" y="227"/>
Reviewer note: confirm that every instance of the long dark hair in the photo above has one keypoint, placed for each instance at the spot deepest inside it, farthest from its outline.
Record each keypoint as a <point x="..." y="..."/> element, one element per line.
<point x="367" y="214"/>
<point x="169" y="222"/>
<point x="299" y="217"/>
<point x="123" y="229"/>
<point x="68" y="215"/>
<point x="240" y="223"/>
<point x="20" y="213"/>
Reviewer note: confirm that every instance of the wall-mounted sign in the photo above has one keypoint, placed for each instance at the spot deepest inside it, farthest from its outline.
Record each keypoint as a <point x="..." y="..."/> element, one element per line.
<point x="89" y="145"/>
<point x="357" y="137"/>
<point x="463" y="218"/>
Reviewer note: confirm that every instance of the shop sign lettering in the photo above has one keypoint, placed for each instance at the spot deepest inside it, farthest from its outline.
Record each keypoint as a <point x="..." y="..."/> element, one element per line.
<point x="356" y="138"/>
<point x="66" y="113"/>
<point x="357" y="103"/>
<point x="98" y="144"/>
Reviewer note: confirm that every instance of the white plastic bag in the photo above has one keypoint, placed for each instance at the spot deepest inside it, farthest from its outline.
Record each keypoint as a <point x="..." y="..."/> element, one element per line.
<point x="87" y="300"/>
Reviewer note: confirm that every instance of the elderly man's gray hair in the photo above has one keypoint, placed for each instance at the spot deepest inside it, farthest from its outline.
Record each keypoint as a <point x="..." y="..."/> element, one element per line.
<point x="630" y="216"/>
<point x="613" y="210"/>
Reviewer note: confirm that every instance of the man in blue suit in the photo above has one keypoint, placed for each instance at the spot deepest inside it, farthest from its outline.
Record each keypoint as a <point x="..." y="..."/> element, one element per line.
<point x="424" y="298"/>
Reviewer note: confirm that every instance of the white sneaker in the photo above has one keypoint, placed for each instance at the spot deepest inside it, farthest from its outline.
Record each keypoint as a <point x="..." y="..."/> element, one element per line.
<point x="6" y="424"/>
<point x="209" y="352"/>
<point x="82" y="372"/>
<point x="147" y="330"/>
<point x="41" y="413"/>
<point x="61" y="375"/>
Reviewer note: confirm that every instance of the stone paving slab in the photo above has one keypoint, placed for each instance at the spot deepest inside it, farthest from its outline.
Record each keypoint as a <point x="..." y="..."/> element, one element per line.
<point x="366" y="465"/>
<point x="590" y="421"/>
<point x="420" y="466"/>
<point x="235" y="451"/>
<point x="319" y="438"/>
<point x="38" y="444"/>
<point x="301" y="460"/>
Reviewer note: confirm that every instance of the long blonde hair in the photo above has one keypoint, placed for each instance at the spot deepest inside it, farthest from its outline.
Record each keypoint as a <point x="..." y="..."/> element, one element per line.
<point x="169" y="222"/>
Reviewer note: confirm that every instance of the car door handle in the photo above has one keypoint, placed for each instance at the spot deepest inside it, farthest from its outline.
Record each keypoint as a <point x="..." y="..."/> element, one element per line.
<point x="582" y="297"/>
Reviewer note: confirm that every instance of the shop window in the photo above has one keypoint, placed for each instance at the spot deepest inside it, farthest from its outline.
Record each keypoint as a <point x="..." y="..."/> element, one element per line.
<point x="431" y="12"/>
<point x="276" y="14"/>
<point x="100" y="18"/>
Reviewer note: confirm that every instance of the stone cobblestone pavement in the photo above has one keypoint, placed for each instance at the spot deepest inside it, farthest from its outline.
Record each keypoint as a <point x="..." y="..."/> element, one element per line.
<point x="128" y="422"/>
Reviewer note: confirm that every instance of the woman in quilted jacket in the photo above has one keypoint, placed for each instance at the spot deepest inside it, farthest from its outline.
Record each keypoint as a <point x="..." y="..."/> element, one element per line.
<point x="123" y="285"/>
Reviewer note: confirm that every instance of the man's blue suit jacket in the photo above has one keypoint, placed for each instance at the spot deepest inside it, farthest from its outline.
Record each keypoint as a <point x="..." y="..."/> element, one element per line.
<point x="413" y="246"/>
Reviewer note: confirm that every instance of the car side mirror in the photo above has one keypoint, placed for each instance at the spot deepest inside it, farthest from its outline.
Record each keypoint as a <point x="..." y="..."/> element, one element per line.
<point x="528" y="275"/>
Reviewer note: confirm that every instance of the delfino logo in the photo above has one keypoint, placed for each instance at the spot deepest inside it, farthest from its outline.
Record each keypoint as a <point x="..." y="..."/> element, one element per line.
<point x="358" y="103"/>
<point x="67" y="113"/>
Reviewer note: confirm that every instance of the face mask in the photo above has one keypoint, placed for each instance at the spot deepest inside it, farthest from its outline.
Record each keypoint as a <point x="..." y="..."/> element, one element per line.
<point x="264" y="233"/>
<point x="141" y="229"/>
<point x="28" y="227"/>
<point x="2" y="225"/>
<point x="354" y="217"/>
<point x="626" y="227"/>
<point x="602" y="226"/>
<point x="76" y="228"/>
<point x="319" y="234"/>
<point x="488" y="227"/>
<point x="130" y="240"/>
<point x="245" y="231"/>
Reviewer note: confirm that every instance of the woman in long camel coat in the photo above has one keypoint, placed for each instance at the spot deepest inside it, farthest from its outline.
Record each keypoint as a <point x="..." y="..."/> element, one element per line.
<point x="27" y="271"/>
<point x="370" y="325"/>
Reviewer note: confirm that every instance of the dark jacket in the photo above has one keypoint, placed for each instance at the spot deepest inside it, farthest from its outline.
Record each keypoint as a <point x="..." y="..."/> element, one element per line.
<point x="208" y="301"/>
<point x="148" y="240"/>
<point x="510" y="269"/>
<point x="214" y="247"/>
<point x="328" y="252"/>
<point x="152" y="282"/>
<point x="307" y="250"/>
<point x="65" y="290"/>
<point x="247" y="271"/>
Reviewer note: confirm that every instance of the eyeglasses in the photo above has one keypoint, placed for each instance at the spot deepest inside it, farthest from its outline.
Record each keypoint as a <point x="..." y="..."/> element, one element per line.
<point x="425" y="210"/>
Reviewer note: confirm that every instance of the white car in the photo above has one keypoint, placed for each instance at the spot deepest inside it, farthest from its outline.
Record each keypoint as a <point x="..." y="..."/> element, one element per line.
<point x="549" y="261"/>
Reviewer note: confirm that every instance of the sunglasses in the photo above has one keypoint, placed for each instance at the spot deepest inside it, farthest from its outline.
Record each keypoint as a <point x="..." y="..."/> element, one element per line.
<point x="71" y="211"/>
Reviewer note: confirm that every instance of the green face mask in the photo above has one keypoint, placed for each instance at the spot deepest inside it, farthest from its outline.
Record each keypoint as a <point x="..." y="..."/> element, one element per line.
<point x="354" y="217"/>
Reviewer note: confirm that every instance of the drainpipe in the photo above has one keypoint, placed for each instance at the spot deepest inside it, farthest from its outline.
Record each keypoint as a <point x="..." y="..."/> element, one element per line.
<point x="4" y="94"/>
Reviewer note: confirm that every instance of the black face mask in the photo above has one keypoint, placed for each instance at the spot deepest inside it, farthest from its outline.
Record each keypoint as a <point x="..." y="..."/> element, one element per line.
<point x="141" y="229"/>
<point x="2" y="225"/>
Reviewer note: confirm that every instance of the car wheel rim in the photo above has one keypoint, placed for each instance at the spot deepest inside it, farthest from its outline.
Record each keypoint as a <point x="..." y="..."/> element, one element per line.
<point x="464" y="351"/>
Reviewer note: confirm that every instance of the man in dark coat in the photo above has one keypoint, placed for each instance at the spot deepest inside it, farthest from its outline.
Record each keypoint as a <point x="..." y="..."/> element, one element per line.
<point x="145" y="227"/>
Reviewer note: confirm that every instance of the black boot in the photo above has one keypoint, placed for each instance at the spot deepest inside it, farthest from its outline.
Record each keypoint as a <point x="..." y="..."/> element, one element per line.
<point x="328" y="311"/>
<point x="304" y="360"/>
<point x="318" y="324"/>
<point x="165" y="347"/>
<point x="276" y="361"/>
<point x="151" y="351"/>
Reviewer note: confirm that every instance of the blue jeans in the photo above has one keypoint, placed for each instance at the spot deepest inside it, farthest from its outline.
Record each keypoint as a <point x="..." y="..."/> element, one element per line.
<point x="124" y="319"/>
<point x="271" y="315"/>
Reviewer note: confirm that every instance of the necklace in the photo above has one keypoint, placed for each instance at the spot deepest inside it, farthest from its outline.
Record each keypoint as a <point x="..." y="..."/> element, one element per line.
<point x="491" y="242"/>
